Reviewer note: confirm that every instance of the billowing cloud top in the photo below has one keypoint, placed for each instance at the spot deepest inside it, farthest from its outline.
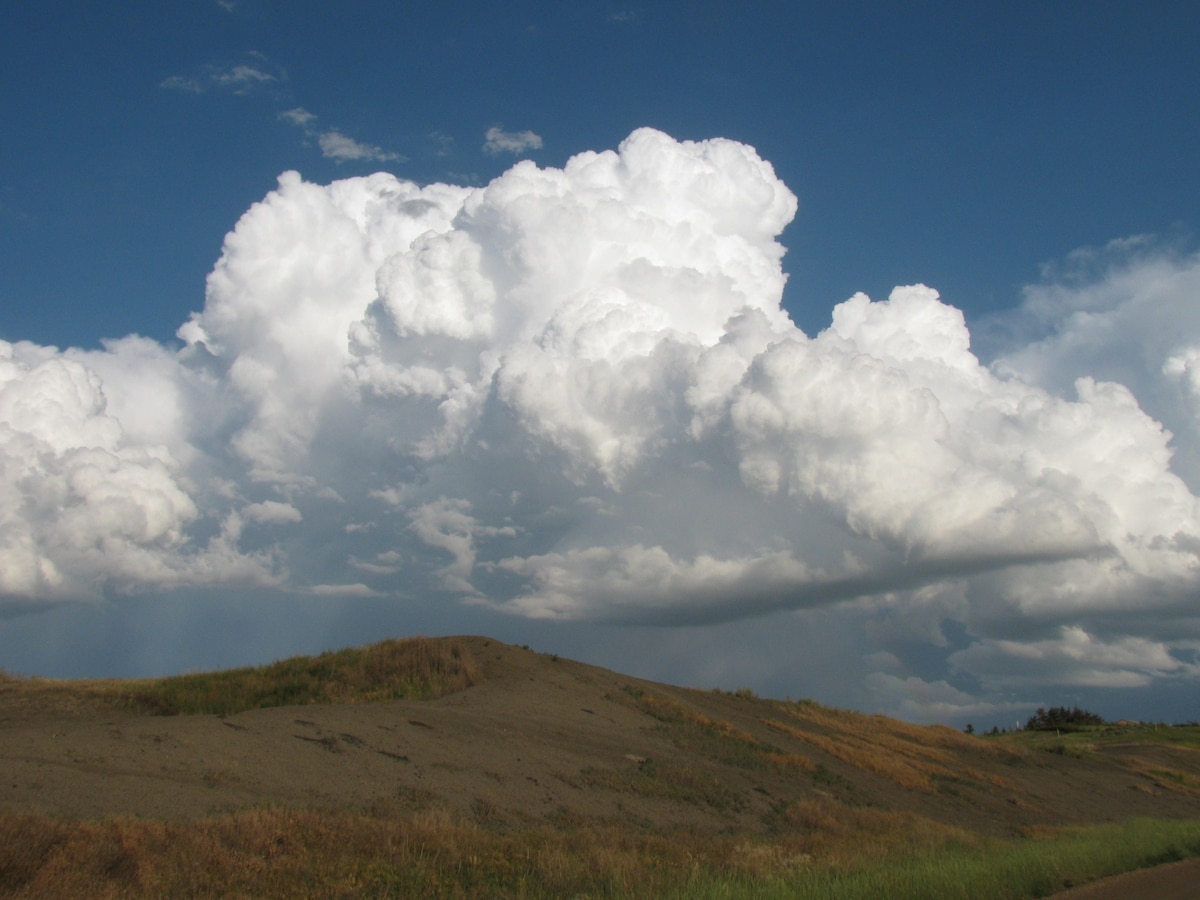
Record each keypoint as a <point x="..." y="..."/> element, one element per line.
<point x="574" y="393"/>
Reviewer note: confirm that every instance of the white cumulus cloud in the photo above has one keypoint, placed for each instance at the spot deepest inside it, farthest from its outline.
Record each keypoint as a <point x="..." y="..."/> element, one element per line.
<point x="1126" y="313"/>
<point x="573" y="393"/>
<point x="86" y="503"/>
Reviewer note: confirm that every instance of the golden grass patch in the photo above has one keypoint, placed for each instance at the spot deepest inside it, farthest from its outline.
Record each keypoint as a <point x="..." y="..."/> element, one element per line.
<point x="670" y="710"/>
<point x="910" y="756"/>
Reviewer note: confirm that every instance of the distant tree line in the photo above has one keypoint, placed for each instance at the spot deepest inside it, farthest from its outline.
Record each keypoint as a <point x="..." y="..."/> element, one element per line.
<point x="1060" y="718"/>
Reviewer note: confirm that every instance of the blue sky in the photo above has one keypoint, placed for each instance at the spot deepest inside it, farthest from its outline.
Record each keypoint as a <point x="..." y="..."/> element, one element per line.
<point x="1032" y="162"/>
<point x="954" y="144"/>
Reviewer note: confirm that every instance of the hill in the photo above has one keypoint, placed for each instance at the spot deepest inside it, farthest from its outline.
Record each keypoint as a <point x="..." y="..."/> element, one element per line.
<point x="469" y="733"/>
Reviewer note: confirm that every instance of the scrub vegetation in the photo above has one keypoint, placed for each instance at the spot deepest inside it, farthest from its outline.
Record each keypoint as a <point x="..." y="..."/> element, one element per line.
<point x="412" y="669"/>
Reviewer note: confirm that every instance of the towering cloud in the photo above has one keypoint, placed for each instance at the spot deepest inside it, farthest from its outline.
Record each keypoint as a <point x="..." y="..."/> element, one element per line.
<point x="86" y="502"/>
<point x="574" y="394"/>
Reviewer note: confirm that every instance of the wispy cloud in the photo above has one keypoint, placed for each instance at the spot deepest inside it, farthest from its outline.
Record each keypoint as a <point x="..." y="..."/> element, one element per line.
<point x="181" y="83"/>
<point x="13" y="214"/>
<point x="501" y="141"/>
<point x="442" y="143"/>
<point x="255" y="75"/>
<point x="298" y="116"/>
<point x="242" y="78"/>
<point x="335" y="145"/>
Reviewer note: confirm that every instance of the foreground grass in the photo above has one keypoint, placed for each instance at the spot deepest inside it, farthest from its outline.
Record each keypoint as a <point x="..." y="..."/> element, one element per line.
<point x="1010" y="870"/>
<point x="287" y="853"/>
<point x="413" y="669"/>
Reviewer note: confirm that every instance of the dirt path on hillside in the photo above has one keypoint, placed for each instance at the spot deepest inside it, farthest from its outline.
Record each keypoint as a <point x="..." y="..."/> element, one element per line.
<point x="1174" y="881"/>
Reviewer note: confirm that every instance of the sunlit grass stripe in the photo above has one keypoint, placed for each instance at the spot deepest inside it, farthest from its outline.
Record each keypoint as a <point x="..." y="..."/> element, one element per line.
<point x="1005" y="870"/>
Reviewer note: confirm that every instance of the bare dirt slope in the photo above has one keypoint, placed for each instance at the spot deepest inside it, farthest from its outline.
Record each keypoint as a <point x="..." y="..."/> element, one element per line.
<point x="546" y="740"/>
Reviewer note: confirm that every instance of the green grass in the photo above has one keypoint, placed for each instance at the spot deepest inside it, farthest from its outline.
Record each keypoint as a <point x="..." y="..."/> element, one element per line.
<point x="1090" y="736"/>
<point x="1008" y="870"/>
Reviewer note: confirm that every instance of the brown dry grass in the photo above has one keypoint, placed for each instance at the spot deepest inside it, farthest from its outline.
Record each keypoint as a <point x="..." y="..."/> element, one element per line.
<point x="1165" y="777"/>
<point x="790" y="761"/>
<point x="669" y="710"/>
<point x="839" y="835"/>
<point x="879" y="754"/>
<point x="911" y="756"/>
<point x="288" y="853"/>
